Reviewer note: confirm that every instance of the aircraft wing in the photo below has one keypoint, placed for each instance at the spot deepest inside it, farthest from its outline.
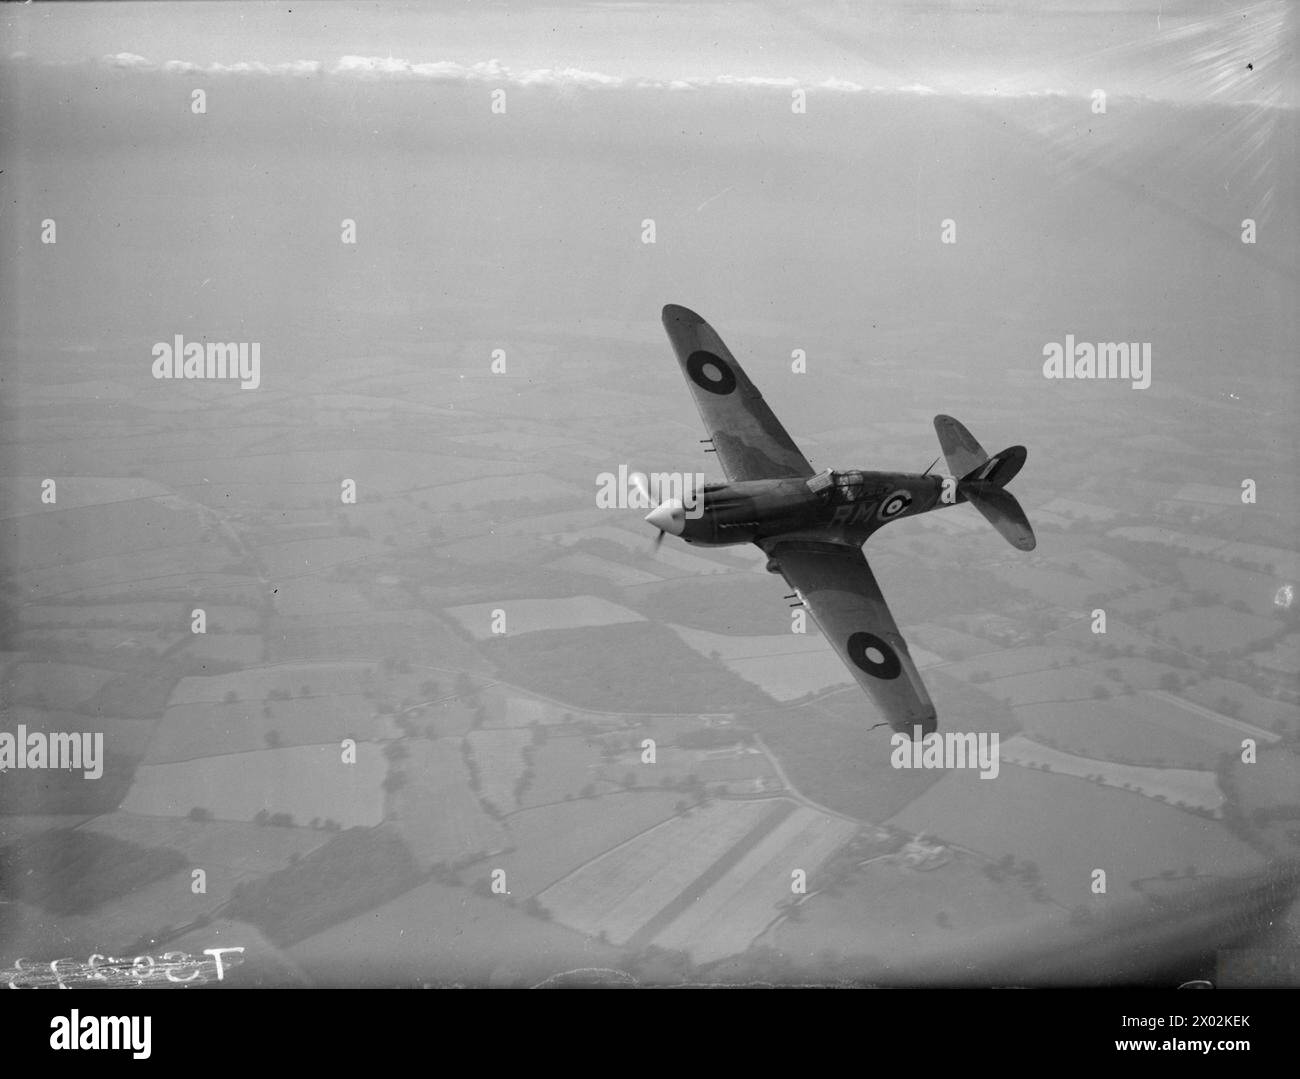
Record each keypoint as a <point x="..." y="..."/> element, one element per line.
<point x="838" y="587"/>
<point x="751" y="443"/>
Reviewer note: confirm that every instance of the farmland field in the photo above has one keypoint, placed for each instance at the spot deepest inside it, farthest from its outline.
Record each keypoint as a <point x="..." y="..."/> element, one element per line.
<point x="53" y="685"/>
<point x="1013" y="661"/>
<point x="437" y="813"/>
<point x="144" y="616"/>
<point x="594" y="566"/>
<point x="562" y="767"/>
<point x="22" y="494"/>
<point x="738" y="907"/>
<point x="947" y="642"/>
<point x="62" y="535"/>
<point x="303" y="781"/>
<point x="783" y="666"/>
<point x="1216" y="629"/>
<point x="141" y="569"/>
<point x="996" y="817"/>
<point x="256" y="683"/>
<point x="1127" y="729"/>
<point x="211" y="729"/>
<point x="441" y="935"/>
<point x="498" y="754"/>
<point x="509" y="709"/>
<point x="231" y="849"/>
<point x="305" y="595"/>
<point x="1174" y="785"/>
<point x="530" y="615"/>
<point x="622" y="890"/>
<point x="554" y="840"/>
<point x="1064" y="684"/>
<point x="885" y="916"/>
<point x="1049" y="586"/>
<point x="243" y="649"/>
<point x="1253" y="708"/>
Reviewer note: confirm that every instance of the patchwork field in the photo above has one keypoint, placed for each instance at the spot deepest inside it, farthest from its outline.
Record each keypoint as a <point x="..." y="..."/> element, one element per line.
<point x="555" y="840"/>
<point x="207" y="729"/>
<point x="440" y="935"/>
<point x="52" y="685"/>
<point x="1249" y="705"/>
<point x="510" y="709"/>
<point x="113" y="927"/>
<point x="729" y="913"/>
<point x="22" y="494"/>
<point x="1177" y="786"/>
<point x="409" y="634"/>
<point x="498" y="755"/>
<point x="437" y="814"/>
<point x="228" y="850"/>
<point x="304" y="781"/>
<point x="562" y="768"/>
<point x="1283" y="657"/>
<point x="1133" y="730"/>
<point x="304" y="595"/>
<point x="887" y="916"/>
<point x="951" y="643"/>
<point x="531" y="615"/>
<point x="62" y="536"/>
<point x="1014" y="661"/>
<point x="1062" y="684"/>
<point x="1228" y="583"/>
<point x="295" y="557"/>
<point x="1215" y="629"/>
<point x="143" y="616"/>
<point x="1049" y="586"/>
<point x="256" y="684"/>
<point x="619" y="892"/>
<point x="534" y="487"/>
<point x="606" y="569"/>
<point x="784" y="667"/>
<point x="241" y="649"/>
<point x="1002" y="816"/>
<point x="134" y="573"/>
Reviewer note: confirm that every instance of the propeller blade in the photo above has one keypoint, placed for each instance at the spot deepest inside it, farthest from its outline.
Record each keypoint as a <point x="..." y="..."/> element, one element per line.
<point x="638" y="480"/>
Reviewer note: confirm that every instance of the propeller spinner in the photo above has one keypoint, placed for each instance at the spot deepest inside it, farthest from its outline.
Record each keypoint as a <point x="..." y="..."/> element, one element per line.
<point x="667" y="516"/>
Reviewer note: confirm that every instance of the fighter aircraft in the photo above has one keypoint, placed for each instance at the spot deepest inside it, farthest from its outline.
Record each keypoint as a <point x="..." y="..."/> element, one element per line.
<point x="812" y="525"/>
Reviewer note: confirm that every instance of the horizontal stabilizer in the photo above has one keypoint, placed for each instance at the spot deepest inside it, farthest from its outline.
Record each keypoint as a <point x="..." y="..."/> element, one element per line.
<point x="1002" y="511"/>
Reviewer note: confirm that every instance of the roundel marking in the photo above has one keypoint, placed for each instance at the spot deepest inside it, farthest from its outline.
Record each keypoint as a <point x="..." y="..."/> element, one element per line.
<point x="894" y="504"/>
<point x="711" y="372"/>
<point x="873" y="655"/>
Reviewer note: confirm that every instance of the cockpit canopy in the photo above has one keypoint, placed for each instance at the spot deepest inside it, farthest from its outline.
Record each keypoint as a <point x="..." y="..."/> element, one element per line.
<point x="847" y="486"/>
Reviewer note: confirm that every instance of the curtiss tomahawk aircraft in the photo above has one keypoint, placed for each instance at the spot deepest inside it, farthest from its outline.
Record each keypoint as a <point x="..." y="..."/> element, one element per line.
<point x="812" y="525"/>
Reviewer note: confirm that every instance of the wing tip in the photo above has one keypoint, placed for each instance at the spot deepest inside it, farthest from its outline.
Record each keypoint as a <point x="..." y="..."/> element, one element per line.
<point x="676" y="314"/>
<point x="928" y="723"/>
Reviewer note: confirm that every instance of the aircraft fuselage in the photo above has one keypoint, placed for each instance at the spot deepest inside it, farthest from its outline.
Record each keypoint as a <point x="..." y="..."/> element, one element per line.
<point x="848" y="504"/>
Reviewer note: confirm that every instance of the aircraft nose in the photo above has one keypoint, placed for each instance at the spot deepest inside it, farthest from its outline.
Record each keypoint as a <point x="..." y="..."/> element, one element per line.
<point x="669" y="516"/>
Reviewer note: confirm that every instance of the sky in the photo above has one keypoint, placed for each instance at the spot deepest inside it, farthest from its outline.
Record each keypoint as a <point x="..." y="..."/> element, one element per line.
<point x="1199" y="50"/>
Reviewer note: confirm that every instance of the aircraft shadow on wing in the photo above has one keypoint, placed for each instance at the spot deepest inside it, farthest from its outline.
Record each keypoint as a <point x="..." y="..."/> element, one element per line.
<point x="812" y="525"/>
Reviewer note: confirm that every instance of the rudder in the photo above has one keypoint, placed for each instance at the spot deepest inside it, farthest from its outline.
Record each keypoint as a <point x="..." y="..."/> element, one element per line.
<point x="960" y="449"/>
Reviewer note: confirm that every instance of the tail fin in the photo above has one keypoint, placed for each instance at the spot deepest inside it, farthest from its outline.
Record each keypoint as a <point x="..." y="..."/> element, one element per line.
<point x="960" y="449"/>
<point x="983" y="479"/>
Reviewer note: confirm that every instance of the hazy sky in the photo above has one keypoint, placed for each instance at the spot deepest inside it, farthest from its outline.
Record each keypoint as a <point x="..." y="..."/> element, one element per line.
<point x="1200" y="50"/>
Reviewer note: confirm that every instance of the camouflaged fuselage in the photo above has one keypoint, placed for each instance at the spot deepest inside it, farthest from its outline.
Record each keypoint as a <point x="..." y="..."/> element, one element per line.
<point x="848" y="509"/>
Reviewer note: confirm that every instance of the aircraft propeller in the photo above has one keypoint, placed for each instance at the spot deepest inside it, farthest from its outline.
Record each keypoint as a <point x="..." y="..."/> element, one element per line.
<point x="667" y="516"/>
